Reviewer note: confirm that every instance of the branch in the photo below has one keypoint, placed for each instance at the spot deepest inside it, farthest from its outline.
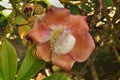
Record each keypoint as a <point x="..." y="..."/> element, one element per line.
<point x="97" y="14"/>
<point x="117" y="13"/>
<point x="14" y="2"/>
<point x="92" y="69"/>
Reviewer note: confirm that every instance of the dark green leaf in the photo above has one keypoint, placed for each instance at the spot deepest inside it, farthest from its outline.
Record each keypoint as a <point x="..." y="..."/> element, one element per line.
<point x="86" y="8"/>
<point x="3" y="20"/>
<point x="42" y="3"/>
<point x="30" y="66"/>
<point x="8" y="60"/>
<point x="57" y="76"/>
<point x="74" y="9"/>
<point x="109" y="3"/>
<point x="1" y="8"/>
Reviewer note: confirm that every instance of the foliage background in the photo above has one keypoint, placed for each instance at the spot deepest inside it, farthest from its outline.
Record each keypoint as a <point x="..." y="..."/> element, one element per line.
<point x="103" y="17"/>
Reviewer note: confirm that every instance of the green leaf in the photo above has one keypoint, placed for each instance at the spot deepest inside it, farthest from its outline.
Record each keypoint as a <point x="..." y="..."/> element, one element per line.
<point x="30" y="66"/>
<point x="18" y="20"/>
<point x="1" y="72"/>
<point x="2" y="18"/>
<point x="8" y="61"/>
<point x="74" y="9"/>
<point x="58" y="76"/>
<point x="86" y="8"/>
<point x="109" y="3"/>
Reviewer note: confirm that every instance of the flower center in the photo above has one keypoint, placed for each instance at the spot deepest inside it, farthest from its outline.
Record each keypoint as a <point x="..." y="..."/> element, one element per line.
<point x="62" y="41"/>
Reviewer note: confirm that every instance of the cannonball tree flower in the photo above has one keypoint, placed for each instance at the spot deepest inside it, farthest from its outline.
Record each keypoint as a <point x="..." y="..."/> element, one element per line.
<point x="62" y="38"/>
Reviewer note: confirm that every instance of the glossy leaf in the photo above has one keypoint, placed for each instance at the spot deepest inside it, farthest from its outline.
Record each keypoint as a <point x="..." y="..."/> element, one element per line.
<point x="30" y="66"/>
<point x="8" y="61"/>
<point x="57" y="76"/>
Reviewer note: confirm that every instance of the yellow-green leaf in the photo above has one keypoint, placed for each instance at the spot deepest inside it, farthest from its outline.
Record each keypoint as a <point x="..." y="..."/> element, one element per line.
<point x="30" y="66"/>
<point x="8" y="61"/>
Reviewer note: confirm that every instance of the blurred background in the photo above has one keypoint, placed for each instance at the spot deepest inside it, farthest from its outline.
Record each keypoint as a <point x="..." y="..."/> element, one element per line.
<point x="103" y="17"/>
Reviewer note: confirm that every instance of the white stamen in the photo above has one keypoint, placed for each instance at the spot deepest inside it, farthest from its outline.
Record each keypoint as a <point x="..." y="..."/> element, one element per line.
<point x="64" y="43"/>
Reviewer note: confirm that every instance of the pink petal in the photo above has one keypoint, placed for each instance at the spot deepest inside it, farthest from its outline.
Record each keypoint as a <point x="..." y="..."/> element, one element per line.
<point x="64" y="61"/>
<point x="56" y="16"/>
<point x="39" y="34"/>
<point x="44" y="51"/>
<point x="83" y="47"/>
<point x="77" y="23"/>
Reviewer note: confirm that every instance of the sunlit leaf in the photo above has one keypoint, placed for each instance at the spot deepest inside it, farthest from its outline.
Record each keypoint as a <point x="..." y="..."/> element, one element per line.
<point x="23" y="26"/>
<point x="8" y="60"/>
<point x="5" y="3"/>
<point x="57" y="76"/>
<point x="20" y="20"/>
<point x="30" y="66"/>
<point x="23" y="30"/>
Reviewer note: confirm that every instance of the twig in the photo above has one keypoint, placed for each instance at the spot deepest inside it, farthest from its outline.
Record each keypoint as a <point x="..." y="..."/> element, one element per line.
<point x="117" y="13"/>
<point x="105" y="13"/>
<point x="13" y="2"/>
<point x="97" y="14"/>
<point x="116" y="53"/>
<point x="92" y="69"/>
